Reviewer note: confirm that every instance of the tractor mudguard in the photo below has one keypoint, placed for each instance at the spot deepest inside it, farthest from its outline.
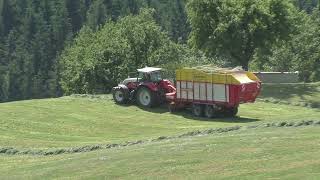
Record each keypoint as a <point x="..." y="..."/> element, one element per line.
<point x="121" y="86"/>
<point x="124" y="88"/>
<point x="168" y="86"/>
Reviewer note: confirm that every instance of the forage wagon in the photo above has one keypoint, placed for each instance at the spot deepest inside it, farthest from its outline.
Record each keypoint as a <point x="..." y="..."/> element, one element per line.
<point x="209" y="91"/>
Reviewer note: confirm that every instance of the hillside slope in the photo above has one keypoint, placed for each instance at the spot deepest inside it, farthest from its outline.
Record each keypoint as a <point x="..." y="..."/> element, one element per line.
<point x="287" y="152"/>
<point x="267" y="140"/>
<point x="79" y="121"/>
<point x="304" y="94"/>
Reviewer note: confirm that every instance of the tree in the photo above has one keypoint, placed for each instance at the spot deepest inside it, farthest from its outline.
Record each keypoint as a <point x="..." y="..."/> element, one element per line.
<point x="7" y="17"/>
<point x="77" y="12"/>
<point x="96" y="62"/>
<point x="32" y="35"/>
<point x="302" y="52"/>
<point x="4" y="73"/>
<point x="307" y="5"/>
<point x="170" y="15"/>
<point x="61" y="28"/>
<point x="235" y="29"/>
<point x="97" y="14"/>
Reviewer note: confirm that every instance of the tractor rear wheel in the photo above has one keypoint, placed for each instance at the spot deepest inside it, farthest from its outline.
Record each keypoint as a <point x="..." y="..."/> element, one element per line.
<point x="197" y="110"/>
<point x="146" y="98"/>
<point x="120" y="96"/>
<point x="210" y="111"/>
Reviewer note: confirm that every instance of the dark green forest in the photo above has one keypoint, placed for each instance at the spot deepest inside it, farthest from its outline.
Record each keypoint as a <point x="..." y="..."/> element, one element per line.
<point x="52" y="48"/>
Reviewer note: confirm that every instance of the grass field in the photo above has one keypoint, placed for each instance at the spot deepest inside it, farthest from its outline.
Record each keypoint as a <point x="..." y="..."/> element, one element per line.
<point x="285" y="153"/>
<point x="75" y="121"/>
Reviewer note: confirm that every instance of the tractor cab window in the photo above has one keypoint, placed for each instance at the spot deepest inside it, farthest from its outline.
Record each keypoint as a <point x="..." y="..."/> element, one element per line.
<point x="156" y="76"/>
<point x="144" y="77"/>
<point x="150" y="77"/>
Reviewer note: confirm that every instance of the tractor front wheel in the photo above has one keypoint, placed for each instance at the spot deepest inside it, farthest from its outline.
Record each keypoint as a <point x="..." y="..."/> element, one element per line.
<point x="146" y="98"/>
<point x="120" y="96"/>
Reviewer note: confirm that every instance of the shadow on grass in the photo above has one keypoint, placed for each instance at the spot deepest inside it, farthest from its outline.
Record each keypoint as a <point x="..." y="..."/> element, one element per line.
<point x="305" y="95"/>
<point x="186" y="113"/>
<point x="287" y="91"/>
<point x="159" y="110"/>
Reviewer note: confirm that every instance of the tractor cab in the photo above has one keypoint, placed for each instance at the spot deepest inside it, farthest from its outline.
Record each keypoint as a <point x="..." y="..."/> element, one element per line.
<point x="149" y="74"/>
<point x="145" y="75"/>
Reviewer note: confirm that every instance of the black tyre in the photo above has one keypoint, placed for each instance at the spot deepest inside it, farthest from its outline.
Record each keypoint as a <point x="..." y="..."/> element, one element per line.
<point x="197" y="110"/>
<point x="231" y="112"/>
<point x="120" y="95"/>
<point x="146" y="98"/>
<point x="210" y="111"/>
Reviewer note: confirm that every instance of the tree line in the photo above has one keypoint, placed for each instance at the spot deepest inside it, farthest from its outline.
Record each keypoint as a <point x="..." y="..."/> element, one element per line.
<point x="51" y="48"/>
<point x="33" y="34"/>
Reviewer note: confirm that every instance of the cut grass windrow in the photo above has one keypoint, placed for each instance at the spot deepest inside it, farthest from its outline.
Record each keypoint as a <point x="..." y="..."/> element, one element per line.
<point x="83" y="149"/>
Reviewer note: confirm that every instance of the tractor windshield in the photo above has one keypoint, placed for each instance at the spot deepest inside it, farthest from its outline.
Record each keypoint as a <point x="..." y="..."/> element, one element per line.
<point x="156" y="76"/>
<point x="150" y="77"/>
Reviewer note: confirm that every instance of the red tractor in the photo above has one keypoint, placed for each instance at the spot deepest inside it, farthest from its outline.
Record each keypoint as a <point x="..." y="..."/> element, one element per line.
<point x="148" y="89"/>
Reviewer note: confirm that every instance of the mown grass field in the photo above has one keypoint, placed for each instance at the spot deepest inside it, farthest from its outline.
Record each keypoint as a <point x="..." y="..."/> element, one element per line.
<point x="302" y="94"/>
<point x="79" y="121"/>
<point x="75" y="121"/>
<point x="285" y="153"/>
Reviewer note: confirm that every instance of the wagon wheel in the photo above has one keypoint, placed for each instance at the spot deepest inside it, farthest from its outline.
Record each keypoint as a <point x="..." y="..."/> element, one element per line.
<point x="230" y="112"/>
<point x="210" y="111"/>
<point x="172" y="107"/>
<point x="197" y="110"/>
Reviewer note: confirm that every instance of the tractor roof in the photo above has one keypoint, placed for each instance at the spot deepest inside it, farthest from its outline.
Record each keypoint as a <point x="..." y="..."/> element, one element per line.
<point x="149" y="69"/>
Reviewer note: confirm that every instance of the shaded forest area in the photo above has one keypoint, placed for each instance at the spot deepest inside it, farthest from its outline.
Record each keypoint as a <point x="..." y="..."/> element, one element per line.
<point x="45" y="45"/>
